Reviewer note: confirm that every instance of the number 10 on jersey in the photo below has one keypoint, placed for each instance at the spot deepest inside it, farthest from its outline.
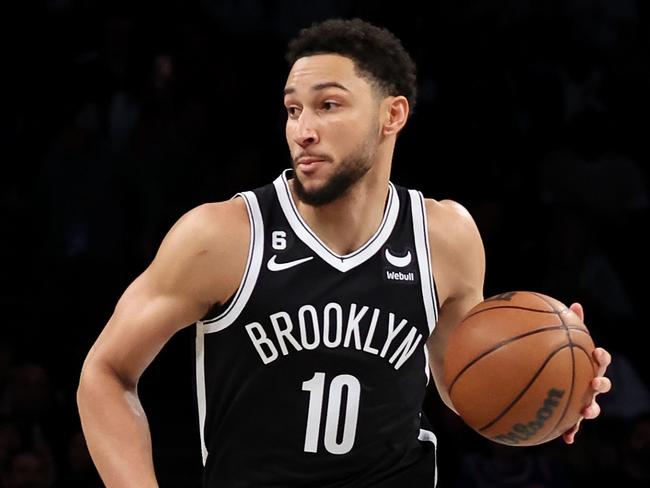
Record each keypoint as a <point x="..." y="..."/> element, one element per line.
<point x="316" y="388"/>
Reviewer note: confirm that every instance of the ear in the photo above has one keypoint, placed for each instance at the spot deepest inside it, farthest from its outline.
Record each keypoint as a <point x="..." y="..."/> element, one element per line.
<point x="396" y="112"/>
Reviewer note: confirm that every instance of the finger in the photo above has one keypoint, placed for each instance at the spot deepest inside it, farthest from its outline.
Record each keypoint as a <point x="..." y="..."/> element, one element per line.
<point x="578" y="310"/>
<point x="601" y="384"/>
<point x="592" y="411"/>
<point x="569" y="435"/>
<point x="603" y="358"/>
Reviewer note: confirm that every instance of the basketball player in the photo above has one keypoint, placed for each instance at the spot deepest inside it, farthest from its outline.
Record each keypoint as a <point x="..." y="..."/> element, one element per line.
<point x="322" y="301"/>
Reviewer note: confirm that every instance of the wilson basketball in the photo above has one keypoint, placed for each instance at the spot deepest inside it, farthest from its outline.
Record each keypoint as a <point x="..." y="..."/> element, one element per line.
<point x="518" y="368"/>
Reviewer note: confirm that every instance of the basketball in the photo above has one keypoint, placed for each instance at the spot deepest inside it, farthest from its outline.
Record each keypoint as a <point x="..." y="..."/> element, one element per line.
<point x="519" y="367"/>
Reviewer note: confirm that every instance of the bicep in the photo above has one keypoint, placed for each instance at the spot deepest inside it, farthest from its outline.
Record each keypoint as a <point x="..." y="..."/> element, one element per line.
<point x="459" y="257"/>
<point x="457" y="250"/>
<point x="144" y="319"/>
<point x="194" y="268"/>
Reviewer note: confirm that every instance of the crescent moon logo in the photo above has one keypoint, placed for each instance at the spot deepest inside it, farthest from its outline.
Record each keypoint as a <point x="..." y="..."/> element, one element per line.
<point x="398" y="261"/>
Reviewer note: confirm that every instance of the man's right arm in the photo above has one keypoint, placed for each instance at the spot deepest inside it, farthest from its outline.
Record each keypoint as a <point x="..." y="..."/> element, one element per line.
<point x="200" y="262"/>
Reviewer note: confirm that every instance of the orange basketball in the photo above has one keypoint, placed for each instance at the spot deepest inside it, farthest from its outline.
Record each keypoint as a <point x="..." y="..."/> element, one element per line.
<point x="519" y="367"/>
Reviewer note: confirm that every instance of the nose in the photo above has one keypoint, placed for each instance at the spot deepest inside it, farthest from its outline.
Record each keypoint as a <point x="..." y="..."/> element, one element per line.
<point x="305" y="131"/>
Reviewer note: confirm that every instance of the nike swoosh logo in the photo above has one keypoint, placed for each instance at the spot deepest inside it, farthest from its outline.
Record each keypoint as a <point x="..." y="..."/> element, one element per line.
<point x="399" y="261"/>
<point x="272" y="265"/>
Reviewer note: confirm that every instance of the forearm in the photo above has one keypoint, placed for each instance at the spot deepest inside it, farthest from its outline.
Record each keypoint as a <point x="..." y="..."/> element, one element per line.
<point x="116" y="429"/>
<point x="436" y="367"/>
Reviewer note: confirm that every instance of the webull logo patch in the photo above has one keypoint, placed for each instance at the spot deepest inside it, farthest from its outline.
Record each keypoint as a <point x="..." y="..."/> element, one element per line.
<point x="399" y="276"/>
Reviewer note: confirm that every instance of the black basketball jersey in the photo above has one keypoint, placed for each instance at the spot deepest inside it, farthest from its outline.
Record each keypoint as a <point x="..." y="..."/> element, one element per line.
<point x="315" y="373"/>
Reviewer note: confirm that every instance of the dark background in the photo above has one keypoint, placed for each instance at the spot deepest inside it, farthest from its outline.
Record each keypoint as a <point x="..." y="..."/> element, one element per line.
<point x="118" y="117"/>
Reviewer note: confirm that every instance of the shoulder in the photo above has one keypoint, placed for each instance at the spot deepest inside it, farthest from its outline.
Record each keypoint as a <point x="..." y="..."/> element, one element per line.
<point x="209" y="228"/>
<point x="206" y="250"/>
<point x="201" y="224"/>
<point x="450" y="223"/>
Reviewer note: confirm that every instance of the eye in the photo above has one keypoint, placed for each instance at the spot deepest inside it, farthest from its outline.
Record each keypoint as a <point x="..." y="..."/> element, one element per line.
<point x="293" y="111"/>
<point x="327" y="106"/>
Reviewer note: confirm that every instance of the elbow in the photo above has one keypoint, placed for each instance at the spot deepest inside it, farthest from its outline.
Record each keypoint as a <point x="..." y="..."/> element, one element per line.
<point x="87" y="383"/>
<point x="97" y="381"/>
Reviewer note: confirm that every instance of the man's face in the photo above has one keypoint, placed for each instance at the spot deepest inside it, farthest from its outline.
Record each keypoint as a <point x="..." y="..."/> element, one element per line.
<point x="332" y="126"/>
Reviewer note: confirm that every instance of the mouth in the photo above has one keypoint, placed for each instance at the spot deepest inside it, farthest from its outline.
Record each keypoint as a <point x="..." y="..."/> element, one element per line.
<point x="309" y="164"/>
<point x="306" y="161"/>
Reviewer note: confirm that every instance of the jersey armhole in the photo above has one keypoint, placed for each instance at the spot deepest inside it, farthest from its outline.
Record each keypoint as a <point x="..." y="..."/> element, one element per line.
<point x="423" y="251"/>
<point x="233" y="306"/>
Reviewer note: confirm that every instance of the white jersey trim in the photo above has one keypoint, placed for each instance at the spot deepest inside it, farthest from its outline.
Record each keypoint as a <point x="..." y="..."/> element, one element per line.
<point x="426" y="362"/>
<point x="421" y="234"/>
<point x="253" y="265"/>
<point x="428" y="436"/>
<point x="200" y="385"/>
<point x="345" y="262"/>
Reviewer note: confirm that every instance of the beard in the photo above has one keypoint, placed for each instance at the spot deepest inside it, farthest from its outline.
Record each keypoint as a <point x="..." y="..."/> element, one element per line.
<point x="351" y="169"/>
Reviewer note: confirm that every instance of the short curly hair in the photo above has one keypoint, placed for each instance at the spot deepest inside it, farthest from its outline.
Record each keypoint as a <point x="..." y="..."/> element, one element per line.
<point x="378" y="54"/>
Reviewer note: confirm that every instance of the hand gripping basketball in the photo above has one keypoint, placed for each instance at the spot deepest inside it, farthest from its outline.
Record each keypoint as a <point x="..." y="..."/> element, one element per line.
<point x="519" y="368"/>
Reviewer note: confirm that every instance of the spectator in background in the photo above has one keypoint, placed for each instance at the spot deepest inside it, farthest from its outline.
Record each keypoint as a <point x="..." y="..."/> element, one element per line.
<point x="29" y="469"/>
<point x="635" y="453"/>
<point x="33" y="404"/>
<point x="79" y="470"/>
<point x="29" y="394"/>
<point x="10" y="442"/>
<point x="507" y="467"/>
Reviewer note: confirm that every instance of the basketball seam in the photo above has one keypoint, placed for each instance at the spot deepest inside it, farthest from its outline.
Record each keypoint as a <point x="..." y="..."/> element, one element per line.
<point x="499" y="345"/>
<point x="575" y="346"/>
<point x="560" y="310"/>
<point x="548" y="302"/>
<point x="524" y="390"/>
<point x="573" y="380"/>
<point x="509" y="306"/>
<point x="578" y="346"/>
<point x="576" y="328"/>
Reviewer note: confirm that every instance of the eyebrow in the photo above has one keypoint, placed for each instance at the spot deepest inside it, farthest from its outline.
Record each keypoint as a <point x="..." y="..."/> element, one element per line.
<point x="319" y="86"/>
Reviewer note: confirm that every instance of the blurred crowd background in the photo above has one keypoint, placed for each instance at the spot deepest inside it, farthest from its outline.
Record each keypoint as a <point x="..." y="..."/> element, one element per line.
<point x="118" y="117"/>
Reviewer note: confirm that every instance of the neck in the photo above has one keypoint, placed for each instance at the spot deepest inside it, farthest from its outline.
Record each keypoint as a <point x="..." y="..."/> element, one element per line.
<point x="347" y="223"/>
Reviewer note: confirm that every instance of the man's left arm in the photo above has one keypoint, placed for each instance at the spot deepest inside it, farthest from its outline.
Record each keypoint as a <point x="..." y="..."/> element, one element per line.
<point x="459" y="270"/>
